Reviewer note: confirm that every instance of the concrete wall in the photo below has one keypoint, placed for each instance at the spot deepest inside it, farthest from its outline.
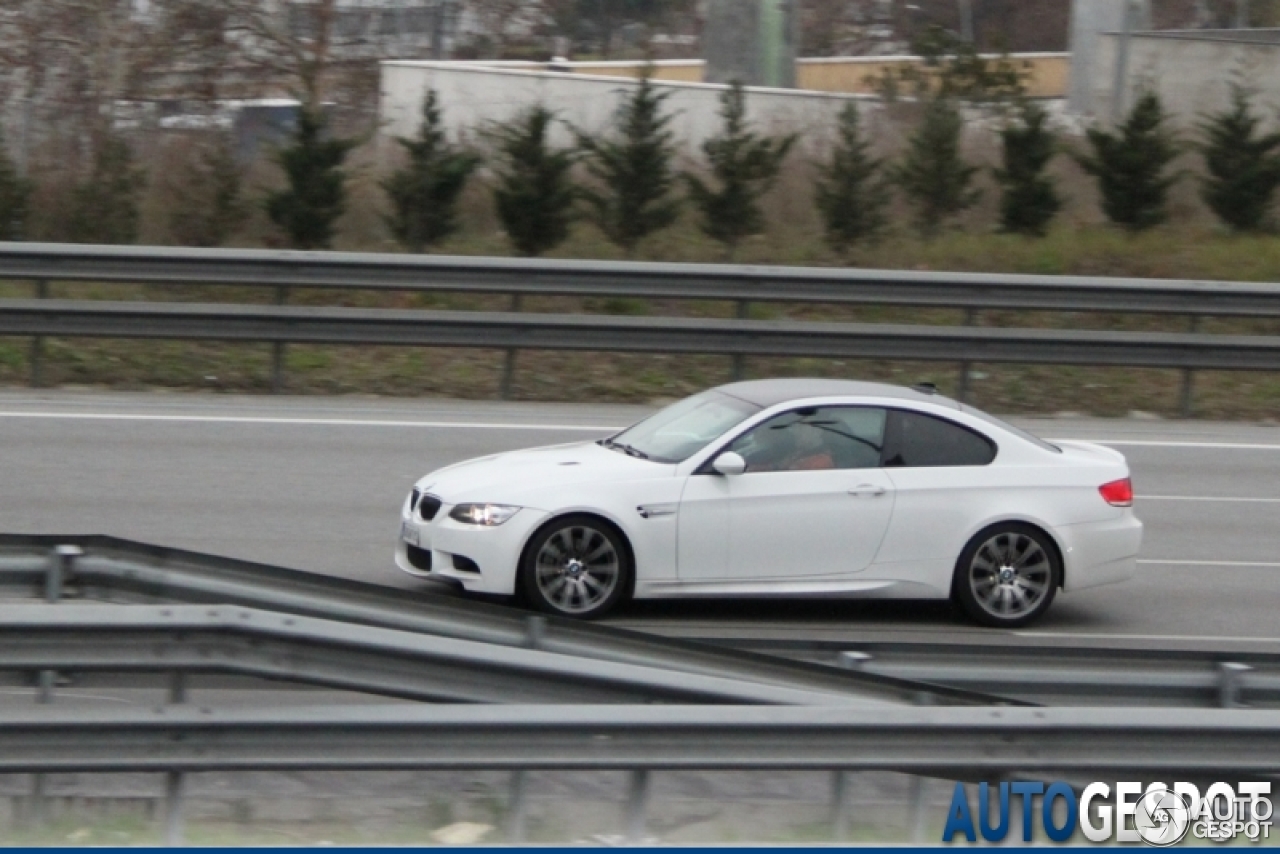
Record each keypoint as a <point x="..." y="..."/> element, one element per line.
<point x="677" y="70"/>
<point x="1192" y="71"/>
<point x="472" y="94"/>
<point x="1047" y="72"/>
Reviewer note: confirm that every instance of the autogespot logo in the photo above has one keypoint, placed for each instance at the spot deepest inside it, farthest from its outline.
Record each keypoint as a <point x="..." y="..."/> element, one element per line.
<point x="1158" y="815"/>
<point x="1162" y="817"/>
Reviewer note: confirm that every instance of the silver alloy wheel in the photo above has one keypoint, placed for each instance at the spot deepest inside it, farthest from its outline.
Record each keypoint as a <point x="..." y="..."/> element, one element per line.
<point x="577" y="569"/>
<point x="1010" y="575"/>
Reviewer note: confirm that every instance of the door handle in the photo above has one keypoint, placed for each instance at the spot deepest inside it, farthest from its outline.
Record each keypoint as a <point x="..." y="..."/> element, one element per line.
<point x="867" y="489"/>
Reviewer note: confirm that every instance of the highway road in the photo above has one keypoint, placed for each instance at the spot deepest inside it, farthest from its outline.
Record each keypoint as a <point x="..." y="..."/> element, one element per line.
<point x="316" y="484"/>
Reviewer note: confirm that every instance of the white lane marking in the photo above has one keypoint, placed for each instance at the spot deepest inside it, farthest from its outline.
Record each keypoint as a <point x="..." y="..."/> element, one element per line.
<point x="1171" y="443"/>
<point x="1206" y="498"/>
<point x="323" y="422"/>
<point x="1189" y="638"/>
<point x="1244" y="563"/>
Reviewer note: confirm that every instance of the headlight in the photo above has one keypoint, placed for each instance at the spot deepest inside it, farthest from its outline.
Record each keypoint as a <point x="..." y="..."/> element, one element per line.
<point x="483" y="514"/>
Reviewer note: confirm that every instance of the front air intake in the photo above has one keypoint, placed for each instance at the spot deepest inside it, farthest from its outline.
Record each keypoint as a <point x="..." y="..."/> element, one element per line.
<point x="428" y="507"/>
<point x="418" y="558"/>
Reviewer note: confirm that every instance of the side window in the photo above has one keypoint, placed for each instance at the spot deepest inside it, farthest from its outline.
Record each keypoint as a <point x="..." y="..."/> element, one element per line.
<point x="916" y="439"/>
<point x="815" y="438"/>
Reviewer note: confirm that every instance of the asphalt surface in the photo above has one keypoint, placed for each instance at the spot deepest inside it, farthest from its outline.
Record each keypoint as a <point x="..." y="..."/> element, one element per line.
<point x="317" y="483"/>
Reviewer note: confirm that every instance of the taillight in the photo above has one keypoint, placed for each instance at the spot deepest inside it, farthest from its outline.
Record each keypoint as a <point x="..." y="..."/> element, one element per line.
<point x="1118" y="493"/>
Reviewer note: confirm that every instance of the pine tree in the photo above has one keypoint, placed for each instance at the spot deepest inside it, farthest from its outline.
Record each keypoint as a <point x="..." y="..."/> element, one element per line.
<point x="1130" y="165"/>
<point x="315" y="195"/>
<point x="850" y="192"/>
<point x="744" y="165"/>
<point x="208" y="204"/>
<point x="1029" y="200"/>
<point x="534" y="191"/>
<point x="424" y="194"/>
<point x="933" y="174"/>
<point x="14" y="194"/>
<point x="104" y="206"/>
<point x="633" y="169"/>
<point x="1243" y="165"/>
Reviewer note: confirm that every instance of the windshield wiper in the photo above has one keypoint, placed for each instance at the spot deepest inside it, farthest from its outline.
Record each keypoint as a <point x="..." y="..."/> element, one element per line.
<point x="629" y="450"/>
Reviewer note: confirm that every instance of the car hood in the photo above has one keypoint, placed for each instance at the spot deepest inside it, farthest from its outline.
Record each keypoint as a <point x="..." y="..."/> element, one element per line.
<point x="518" y="477"/>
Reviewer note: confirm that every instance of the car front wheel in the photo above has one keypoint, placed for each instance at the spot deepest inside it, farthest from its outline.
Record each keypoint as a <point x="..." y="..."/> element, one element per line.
<point x="577" y="566"/>
<point x="1007" y="575"/>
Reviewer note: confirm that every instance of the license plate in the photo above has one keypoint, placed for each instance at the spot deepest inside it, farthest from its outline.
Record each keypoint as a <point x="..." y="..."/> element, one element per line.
<point x="409" y="533"/>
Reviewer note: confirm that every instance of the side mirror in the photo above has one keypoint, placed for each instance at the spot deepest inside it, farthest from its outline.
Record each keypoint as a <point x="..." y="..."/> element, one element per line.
<point x="729" y="463"/>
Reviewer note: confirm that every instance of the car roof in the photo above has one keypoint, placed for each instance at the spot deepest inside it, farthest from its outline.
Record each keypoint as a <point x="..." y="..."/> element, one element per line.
<point x="766" y="393"/>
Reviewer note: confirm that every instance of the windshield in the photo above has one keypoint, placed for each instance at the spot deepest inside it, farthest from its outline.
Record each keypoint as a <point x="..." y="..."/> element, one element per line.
<point x="682" y="429"/>
<point x="1005" y="425"/>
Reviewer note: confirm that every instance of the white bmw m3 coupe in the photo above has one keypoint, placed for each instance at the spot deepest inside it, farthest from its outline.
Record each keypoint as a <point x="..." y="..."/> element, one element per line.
<point x="785" y="488"/>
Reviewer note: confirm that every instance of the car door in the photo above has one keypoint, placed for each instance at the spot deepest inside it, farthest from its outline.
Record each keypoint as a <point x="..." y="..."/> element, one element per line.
<point x="812" y="502"/>
<point x="941" y="476"/>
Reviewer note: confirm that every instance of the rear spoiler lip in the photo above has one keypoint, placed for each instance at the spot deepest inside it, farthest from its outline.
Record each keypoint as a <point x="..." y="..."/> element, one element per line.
<point x="1090" y="447"/>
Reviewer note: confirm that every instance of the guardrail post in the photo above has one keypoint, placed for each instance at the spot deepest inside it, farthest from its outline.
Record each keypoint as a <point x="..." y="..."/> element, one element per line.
<point x="509" y="358"/>
<point x="853" y="660"/>
<point x="175" y="782"/>
<point x="535" y="629"/>
<point x="174" y="795"/>
<point x="60" y="561"/>
<point x="37" y="343"/>
<point x="177" y="687"/>
<point x="277" y="348"/>
<point x="637" y="804"/>
<point x="739" y="360"/>
<point x="1188" y="376"/>
<point x="61" y="567"/>
<point x="1231" y="683"/>
<point x="916" y="789"/>
<point x="36" y="805"/>
<point x="517" y="807"/>
<point x="35" y="813"/>
<point x="962" y="387"/>
<point x="839" y="805"/>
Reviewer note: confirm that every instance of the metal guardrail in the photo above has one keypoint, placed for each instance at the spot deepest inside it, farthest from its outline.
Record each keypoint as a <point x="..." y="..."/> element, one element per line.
<point x="387" y="642"/>
<point x="950" y="742"/>
<point x="973" y="292"/>
<point x="737" y="338"/>
<point x="1027" y="673"/>
<point x="505" y="330"/>
<point x="737" y="283"/>
<point x="182" y="641"/>
<point x="99" y="568"/>
<point x="835" y="729"/>
<point x="953" y="743"/>
<point x="1052" y="673"/>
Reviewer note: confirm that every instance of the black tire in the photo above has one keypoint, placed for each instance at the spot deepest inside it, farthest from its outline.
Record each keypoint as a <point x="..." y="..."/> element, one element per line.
<point x="1007" y="576"/>
<point x="576" y="566"/>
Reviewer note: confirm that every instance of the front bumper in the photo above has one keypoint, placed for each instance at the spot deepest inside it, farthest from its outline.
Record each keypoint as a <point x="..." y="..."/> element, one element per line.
<point x="481" y="559"/>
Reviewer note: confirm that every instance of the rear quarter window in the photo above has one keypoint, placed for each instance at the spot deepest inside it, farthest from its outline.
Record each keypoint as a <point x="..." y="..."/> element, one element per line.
<point x="914" y="439"/>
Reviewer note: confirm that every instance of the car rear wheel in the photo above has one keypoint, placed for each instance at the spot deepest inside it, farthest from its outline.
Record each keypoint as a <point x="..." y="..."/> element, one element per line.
<point x="577" y="566"/>
<point x="1007" y="575"/>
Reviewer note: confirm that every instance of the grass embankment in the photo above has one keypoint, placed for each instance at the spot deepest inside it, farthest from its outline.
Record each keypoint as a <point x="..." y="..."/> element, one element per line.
<point x="1194" y="252"/>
